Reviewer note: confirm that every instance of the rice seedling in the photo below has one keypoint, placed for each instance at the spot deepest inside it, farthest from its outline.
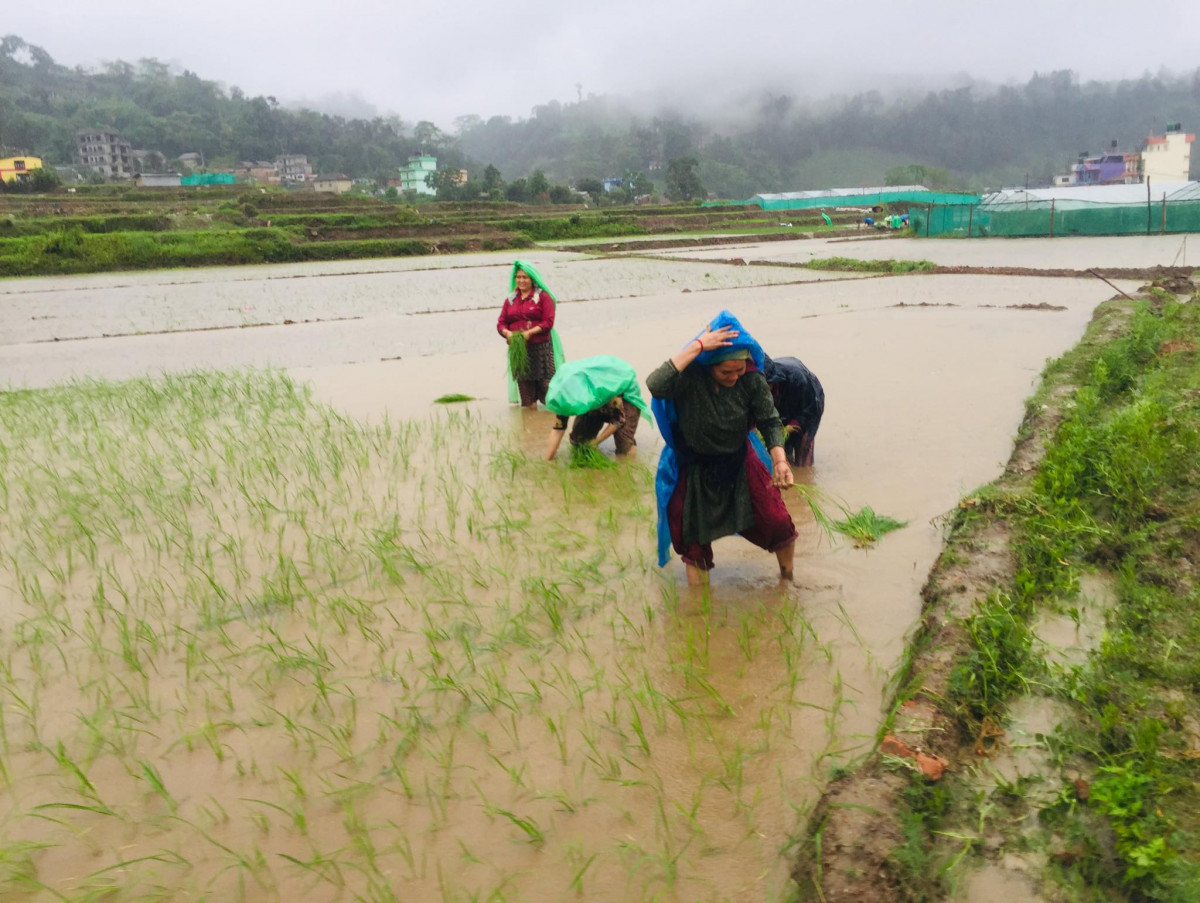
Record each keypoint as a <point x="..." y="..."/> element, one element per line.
<point x="453" y="398"/>
<point x="292" y="610"/>
<point x="586" y="456"/>
<point x="866" y="527"/>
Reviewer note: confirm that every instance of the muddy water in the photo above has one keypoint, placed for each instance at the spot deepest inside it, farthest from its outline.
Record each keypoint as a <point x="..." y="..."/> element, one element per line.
<point x="922" y="406"/>
<point x="1073" y="253"/>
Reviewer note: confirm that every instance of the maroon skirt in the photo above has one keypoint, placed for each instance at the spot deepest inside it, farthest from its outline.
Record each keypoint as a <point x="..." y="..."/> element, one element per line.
<point x="773" y="528"/>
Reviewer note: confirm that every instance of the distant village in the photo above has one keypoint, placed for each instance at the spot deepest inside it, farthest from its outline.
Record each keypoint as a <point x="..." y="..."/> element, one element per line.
<point x="1164" y="160"/>
<point x="105" y="155"/>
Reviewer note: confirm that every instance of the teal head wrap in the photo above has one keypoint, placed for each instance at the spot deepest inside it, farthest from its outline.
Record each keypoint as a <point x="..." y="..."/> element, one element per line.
<point x="531" y="271"/>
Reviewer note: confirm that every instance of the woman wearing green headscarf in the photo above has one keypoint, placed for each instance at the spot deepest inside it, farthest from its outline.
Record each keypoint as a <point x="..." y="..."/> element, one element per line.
<point x="528" y="311"/>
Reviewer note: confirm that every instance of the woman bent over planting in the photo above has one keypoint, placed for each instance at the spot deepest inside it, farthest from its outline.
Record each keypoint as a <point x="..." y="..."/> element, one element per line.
<point x="603" y="395"/>
<point x="526" y="322"/>
<point x="712" y="480"/>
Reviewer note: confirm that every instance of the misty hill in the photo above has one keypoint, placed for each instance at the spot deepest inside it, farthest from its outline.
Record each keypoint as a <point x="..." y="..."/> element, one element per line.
<point x="43" y="104"/>
<point x="973" y="137"/>
<point x="978" y="136"/>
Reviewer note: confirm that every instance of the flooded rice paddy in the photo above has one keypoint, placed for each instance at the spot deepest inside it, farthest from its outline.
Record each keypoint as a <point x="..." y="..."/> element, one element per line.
<point x="1064" y="252"/>
<point x="268" y="636"/>
<point x="37" y="310"/>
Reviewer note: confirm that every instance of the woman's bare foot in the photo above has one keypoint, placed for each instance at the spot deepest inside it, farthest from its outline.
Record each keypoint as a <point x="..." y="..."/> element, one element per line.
<point x="696" y="576"/>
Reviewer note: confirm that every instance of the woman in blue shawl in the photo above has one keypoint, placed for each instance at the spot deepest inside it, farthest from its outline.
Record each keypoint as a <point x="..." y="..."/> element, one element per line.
<point x="712" y="480"/>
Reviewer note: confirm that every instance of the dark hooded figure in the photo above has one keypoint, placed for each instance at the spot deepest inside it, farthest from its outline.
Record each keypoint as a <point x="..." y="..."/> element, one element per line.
<point x="800" y="401"/>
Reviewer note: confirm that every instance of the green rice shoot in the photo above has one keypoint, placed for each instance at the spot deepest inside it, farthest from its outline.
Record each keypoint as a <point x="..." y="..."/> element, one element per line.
<point x="866" y="527"/>
<point x="588" y="457"/>
<point x="453" y="398"/>
<point x="518" y="355"/>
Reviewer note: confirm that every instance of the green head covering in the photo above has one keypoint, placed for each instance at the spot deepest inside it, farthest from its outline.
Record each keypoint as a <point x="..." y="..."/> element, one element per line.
<point x="721" y="355"/>
<point x="585" y="384"/>
<point x="531" y="271"/>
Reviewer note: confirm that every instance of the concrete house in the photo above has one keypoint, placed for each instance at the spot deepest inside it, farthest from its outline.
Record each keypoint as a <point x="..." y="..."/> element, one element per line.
<point x="333" y="184"/>
<point x="1168" y="158"/>
<point x="104" y="152"/>
<point x="294" y="169"/>
<point x="17" y="169"/>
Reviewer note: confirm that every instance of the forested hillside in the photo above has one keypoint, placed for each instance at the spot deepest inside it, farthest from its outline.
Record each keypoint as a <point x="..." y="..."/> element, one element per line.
<point x="42" y="104"/>
<point x="972" y="137"/>
<point x="979" y="136"/>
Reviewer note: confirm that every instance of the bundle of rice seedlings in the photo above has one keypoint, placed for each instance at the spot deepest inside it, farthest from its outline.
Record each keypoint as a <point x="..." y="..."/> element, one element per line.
<point x="865" y="527"/>
<point x="590" y="457"/>
<point x="453" y="397"/>
<point x="518" y="355"/>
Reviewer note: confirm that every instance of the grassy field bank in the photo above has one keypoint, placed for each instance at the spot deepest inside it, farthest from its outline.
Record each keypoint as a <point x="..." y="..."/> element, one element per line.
<point x="1057" y="665"/>
<point x="146" y="228"/>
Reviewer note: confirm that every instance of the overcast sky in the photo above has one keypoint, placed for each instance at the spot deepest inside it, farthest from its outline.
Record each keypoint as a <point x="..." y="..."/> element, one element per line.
<point x="444" y="58"/>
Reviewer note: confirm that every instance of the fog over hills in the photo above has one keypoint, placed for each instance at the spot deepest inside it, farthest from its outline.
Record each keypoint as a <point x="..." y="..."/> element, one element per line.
<point x="763" y="98"/>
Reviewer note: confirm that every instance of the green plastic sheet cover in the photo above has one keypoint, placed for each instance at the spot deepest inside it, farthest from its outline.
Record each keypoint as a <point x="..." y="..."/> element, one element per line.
<point x="583" y="385"/>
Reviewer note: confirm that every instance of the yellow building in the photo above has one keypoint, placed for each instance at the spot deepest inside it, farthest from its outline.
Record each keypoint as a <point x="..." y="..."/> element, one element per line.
<point x="17" y="169"/>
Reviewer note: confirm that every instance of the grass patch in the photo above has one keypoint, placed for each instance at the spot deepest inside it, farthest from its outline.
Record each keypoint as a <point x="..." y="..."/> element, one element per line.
<point x="74" y="250"/>
<point x="853" y="265"/>
<point x="1117" y="493"/>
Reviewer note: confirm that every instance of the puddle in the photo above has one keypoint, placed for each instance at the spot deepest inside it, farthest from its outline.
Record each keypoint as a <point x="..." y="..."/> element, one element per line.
<point x="1069" y="638"/>
<point x="396" y="652"/>
<point x="1023" y="763"/>
<point x="995" y="884"/>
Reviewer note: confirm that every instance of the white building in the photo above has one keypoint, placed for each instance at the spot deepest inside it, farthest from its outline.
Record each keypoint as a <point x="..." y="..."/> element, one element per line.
<point x="1168" y="158"/>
